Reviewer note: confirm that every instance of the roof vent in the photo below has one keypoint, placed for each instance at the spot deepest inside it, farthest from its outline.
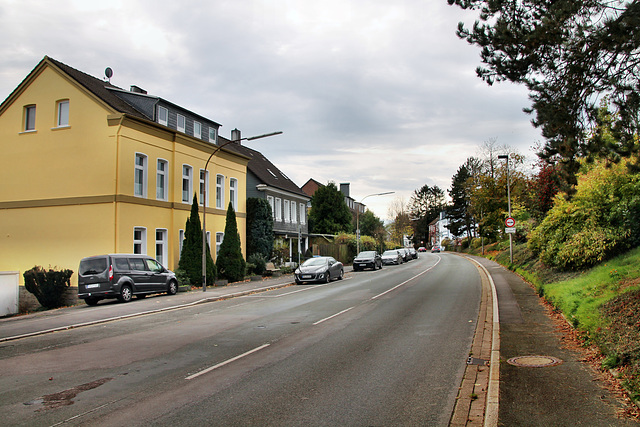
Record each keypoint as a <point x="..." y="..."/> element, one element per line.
<point x="138" y="89"/>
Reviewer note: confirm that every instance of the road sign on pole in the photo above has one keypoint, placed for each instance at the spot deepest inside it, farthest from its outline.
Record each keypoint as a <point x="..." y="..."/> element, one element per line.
<point x="510" y="230"/>
<point x="510" y="222"/>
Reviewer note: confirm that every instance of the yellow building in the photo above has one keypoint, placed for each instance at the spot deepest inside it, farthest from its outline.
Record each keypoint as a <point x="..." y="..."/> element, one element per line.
<point x="88" y="168"/>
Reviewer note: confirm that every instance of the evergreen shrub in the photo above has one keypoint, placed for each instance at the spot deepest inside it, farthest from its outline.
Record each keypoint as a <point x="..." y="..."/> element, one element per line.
<point x="48" y="286"/>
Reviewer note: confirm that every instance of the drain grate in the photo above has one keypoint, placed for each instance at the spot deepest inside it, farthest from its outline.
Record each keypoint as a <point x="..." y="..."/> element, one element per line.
<point x="534" y="361"/>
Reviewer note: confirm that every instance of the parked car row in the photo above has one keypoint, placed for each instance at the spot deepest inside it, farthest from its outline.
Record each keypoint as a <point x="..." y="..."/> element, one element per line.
<point x="399" y="256"/>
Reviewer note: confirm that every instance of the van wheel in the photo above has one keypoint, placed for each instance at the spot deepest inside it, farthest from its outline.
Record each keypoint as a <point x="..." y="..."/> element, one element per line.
<point x="91" y="301"/>
<point x="173" y="288"/>
<point x="125" y="293"/>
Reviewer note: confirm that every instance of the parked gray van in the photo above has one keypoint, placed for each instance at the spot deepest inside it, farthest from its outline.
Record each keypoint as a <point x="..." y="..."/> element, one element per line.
<point x="121" y="276"/>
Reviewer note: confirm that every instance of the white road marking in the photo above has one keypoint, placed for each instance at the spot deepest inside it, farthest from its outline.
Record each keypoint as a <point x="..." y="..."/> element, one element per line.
<point x="331" y="317"/>
<point x="407" y="281"/>
<point x="226" y="362"/>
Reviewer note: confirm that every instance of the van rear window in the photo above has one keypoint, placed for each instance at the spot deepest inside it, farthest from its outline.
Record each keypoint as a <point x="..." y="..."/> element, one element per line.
<point x="93" y="266"/>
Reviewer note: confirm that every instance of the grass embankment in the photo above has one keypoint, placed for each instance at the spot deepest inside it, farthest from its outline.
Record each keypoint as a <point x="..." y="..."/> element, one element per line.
<point x="602" y="302"/>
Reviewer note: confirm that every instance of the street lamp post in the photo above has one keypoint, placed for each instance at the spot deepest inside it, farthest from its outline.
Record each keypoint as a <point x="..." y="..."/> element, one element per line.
<point x="358" y="217"/>
<point x="204" y="202"/>
<point x="506" y="157"/>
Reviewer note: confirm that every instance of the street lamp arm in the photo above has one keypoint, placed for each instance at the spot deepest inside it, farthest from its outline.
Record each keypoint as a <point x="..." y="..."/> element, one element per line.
<point x="358" y="216"/>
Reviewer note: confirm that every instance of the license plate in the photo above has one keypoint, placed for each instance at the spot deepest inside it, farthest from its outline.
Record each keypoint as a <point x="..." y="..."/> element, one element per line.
<point x="306" y="276"/>
<point x="363" y="265"/>
<point x="93" y="286"/>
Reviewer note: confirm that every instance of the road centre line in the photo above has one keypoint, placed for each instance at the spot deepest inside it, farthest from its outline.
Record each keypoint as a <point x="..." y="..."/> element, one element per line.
<point x="331" y="317"/>
<point x="407" y="281"/>
<point x="226" y="362"/>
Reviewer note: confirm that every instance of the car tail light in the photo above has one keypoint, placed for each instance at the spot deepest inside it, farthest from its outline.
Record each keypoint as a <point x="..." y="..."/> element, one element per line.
<point x="110" y="272"/>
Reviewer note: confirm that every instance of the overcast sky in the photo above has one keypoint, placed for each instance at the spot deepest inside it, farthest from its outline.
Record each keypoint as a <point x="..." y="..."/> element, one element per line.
<point x="377" y="93"/>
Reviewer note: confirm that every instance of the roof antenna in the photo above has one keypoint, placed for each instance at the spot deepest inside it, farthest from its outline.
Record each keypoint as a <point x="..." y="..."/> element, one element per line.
<point x="108" y="72"/>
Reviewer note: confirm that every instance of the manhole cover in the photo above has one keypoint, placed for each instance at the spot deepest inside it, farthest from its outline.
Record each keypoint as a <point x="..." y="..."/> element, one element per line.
<point x="534" y="361"/>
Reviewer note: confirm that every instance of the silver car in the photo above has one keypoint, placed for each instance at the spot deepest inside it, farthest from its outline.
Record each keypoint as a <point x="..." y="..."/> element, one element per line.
<point x="319" y="269"/>
<point x="392" y="256"/>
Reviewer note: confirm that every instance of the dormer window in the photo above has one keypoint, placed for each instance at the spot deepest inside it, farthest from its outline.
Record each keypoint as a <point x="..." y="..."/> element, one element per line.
<point x="163" y="116"/>
<point x="181" y="123"/>
<point x="212" y="135"/>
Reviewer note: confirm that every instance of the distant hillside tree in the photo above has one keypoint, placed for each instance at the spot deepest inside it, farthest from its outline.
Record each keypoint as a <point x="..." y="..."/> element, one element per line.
<point x="329" y="212"/>
<point x="230" y="262"/>
<point x="460" y="219"/>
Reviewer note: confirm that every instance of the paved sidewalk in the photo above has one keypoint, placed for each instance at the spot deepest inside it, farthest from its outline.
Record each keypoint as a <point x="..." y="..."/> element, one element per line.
<point x="564" y="393"/>
<point x="107" y="310"/>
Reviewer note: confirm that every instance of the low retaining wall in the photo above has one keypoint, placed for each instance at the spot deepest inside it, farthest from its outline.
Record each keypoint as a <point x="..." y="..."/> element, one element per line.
<point x="29" y="303"/>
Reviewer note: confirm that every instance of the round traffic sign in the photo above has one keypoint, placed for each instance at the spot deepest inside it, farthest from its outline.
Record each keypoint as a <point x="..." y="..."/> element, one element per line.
<point x="510" y="222"/>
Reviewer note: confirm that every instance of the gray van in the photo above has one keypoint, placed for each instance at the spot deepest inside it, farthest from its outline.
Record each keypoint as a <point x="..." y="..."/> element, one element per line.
<point x="122" y="276"/>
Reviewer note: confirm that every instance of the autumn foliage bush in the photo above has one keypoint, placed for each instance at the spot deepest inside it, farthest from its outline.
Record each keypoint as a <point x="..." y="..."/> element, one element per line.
<point x="600" y="221"/>
<point x="48" y="286"/>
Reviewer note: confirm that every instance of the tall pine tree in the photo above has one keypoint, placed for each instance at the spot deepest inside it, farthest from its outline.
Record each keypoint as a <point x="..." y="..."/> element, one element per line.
<point x="191" y="255"/>
<point x="230" y="263"/>
<point x="460" y="219"/>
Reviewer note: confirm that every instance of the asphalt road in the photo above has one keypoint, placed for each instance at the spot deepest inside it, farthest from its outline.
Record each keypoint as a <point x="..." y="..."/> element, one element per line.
<point x="378" y="348"/>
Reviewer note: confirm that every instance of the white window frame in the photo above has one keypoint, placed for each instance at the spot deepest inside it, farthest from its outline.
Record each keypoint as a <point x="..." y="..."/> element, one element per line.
<point x="219" y="191"/>
<point x="203" y="185"/>
<point x="187" y="178"/>
<point x="180" y="240"/>
<point x="213" y="135"/>
<point x="162" y="180"/>
<point x="287" y="211"/>
<point x="294" y="212"/>
<point x="29" y="118"/>
<point x="233" y="193"/>
<point x="197" y="129"/>
<point x="140" y="243"/>
<point x="303" y="213"/>
<point x="182" y="127"/>
<point x="140" y="176"/>
<point x="62" y="109"/>
<point x="278" y="216"/>
<point x="219" y="240"/>
<point x="161" y="246"/>
<point x="272" y="203"/>
<point x="163" y="111"/>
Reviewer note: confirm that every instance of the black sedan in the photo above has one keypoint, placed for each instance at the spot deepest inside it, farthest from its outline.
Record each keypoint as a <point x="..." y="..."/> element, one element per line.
<point x="319" y="269"/>
<point x="367" y="259"/>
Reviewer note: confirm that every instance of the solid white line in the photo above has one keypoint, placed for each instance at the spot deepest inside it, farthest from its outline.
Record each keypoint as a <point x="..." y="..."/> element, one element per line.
<point x="226" y="362"/>
<point x="407" y="281"/>
<point x="331" y="317"/>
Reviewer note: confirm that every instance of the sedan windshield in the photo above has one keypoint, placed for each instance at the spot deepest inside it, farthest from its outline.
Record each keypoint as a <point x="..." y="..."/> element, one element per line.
<point x="367" y="254"/>
<point x="315" y="261"/>
<point x="393" y="252"/>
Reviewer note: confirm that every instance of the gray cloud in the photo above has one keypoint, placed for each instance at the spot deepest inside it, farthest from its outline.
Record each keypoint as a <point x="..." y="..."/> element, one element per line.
<point x="380" y="94"/>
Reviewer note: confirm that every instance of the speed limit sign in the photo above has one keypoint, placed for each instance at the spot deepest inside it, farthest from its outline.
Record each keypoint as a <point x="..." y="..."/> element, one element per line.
<point x="510" y="222"/>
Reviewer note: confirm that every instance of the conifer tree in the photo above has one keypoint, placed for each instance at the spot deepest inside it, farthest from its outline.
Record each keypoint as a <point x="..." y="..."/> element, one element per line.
<point x="191" y="255"/>
<point x="230" y="262"/>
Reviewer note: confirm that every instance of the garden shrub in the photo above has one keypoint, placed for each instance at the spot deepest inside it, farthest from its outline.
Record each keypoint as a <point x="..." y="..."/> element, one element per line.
<point x="230" y="263"/>
<point x="48" y="286"/>
<point x="258" y="264"/>
<point x="602" y="219"/>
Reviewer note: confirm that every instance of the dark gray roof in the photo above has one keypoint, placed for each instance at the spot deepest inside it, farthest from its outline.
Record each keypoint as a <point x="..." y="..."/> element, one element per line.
<point x="264" y="170"/>
<point x="99" y="88"/>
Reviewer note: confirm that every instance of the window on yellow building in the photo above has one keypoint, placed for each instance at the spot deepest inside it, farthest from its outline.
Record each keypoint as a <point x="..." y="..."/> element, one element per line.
<point x="29" y="118"/>
<point x="162" y="179"/>
<point x="63" y="113"/>
<point x="187" y="185"/>
<point x="161" y="246"/>
<point x="140" y="176"/>
<point x="219" y="239"/>
<point x="204" y="185"/>
<point x="140" y="240"/>
<point x="197" y="129"/>
<point x="181" y="123"/>
<point x="233" y="193"/>
<point x="220" y="191"/>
